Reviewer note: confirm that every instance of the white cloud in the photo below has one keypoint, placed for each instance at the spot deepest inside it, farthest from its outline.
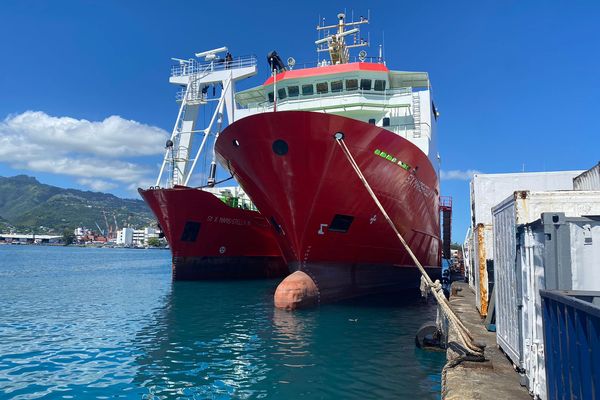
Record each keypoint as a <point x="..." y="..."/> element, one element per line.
<point x="96" y="151"/>
<point x="458" y="175"/>
<point x="113" y="137"/>
<point x="97" y="184"/>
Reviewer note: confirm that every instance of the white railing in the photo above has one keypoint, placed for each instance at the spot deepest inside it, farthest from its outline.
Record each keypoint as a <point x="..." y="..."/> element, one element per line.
<point x="327" y="63"/>
<point x="191" y="67"/>
<point x="192" y="96"/>
<point x="409" y="131"/>
<point x="379" y="96"/>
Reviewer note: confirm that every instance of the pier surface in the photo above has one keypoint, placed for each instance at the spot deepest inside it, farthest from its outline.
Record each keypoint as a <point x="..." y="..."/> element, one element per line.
<point x="494" y="378"/>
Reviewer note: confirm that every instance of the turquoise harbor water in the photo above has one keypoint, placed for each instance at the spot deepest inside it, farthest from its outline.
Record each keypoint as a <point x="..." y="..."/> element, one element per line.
<point x="109" y="323"/>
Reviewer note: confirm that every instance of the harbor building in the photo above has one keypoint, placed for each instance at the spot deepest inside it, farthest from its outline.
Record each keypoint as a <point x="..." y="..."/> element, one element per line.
<point x="136" y="237"/>
<point x="27" y="238"/>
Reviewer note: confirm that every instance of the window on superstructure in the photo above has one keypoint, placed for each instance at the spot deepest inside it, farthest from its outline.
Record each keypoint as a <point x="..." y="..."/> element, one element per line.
<point x="365" y="84"/>
<point x="336" y="86"/>
<point x="271" y="98"/>
<point x="307" y="90"/>
<point x="322" y="87"/>
<point x="281" y="94"/>
<point x="293" y="91"/>
<point x="351" y="84"/>
<point x="379" y="85"/>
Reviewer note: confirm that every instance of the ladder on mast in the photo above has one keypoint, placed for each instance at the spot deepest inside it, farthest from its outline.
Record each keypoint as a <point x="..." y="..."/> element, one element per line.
<point x="195" y="78"/>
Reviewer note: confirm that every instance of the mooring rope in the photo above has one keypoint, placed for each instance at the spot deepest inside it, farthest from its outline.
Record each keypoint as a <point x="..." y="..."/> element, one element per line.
<point x="464" y="335"/>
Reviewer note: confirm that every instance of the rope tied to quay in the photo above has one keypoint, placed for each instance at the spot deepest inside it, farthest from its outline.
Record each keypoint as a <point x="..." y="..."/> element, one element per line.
<point x="473" y="349"/>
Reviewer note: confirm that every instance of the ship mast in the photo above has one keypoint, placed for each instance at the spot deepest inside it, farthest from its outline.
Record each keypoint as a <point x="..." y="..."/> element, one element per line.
<point x="335" y="43"/>
<point x="195" y="77"/>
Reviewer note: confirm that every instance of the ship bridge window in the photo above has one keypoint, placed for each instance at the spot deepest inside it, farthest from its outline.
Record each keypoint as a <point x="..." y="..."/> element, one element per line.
<point x="322" y="87"/>
<point x="307" y="90"/>
<point x="336" y="86"/>
<point x="271" y="98"/>
<point x="340" y="223"/>
<point x="365" y="84"/>
<point x="281" y="94"/>
<point x="351" y="84"/>
<point x="293" y="91"/>
<point x="379" y="85"/>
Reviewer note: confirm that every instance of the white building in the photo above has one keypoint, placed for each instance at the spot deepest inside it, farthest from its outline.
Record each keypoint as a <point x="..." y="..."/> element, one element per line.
<point x="125" y="237"/>
<point x="136" y="237"/>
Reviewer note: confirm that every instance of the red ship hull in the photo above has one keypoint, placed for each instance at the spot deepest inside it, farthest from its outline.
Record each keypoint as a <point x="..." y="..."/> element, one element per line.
<point x="210" y="240"/>
<point x="326" y="223"/>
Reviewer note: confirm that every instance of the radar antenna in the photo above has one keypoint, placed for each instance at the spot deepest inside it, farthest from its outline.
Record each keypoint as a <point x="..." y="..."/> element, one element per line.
<point x="335" y="43"/>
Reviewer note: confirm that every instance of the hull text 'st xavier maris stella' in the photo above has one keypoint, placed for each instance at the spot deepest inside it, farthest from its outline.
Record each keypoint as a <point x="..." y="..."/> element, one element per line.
<point x="282" y="150"/>
<point x="210" y="239"/>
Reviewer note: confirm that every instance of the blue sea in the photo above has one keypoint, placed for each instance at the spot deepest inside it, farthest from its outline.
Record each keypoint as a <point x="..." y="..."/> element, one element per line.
<point x="78" y="323"/>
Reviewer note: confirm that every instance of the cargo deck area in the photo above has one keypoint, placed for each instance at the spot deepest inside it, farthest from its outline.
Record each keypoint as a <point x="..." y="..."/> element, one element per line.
<point x="493" y="379"/>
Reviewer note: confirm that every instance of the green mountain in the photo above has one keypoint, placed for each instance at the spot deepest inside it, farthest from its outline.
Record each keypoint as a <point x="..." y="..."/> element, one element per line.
<point x="30" y="206"/>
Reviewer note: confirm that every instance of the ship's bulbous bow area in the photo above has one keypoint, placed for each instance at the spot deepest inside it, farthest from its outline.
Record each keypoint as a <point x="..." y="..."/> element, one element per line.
<point x="298" y="290"/>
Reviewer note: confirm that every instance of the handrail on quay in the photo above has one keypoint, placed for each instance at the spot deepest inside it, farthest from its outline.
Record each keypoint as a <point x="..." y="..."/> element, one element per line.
<point x="571" y="321"/>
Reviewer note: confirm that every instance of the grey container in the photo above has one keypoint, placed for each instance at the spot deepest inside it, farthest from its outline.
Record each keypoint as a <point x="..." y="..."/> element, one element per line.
<point x="554" y="252"/>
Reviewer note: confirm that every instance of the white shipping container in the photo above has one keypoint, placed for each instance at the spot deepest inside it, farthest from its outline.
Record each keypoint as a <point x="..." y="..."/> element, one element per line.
<point x="487" y="190"/>
<point x="468" y="258"/>
<point x="522" y="258"/>
<point x="589" y="180"/>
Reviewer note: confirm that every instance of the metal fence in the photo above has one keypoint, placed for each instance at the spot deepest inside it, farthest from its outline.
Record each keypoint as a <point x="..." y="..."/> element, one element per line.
<point x="572" y="344"/>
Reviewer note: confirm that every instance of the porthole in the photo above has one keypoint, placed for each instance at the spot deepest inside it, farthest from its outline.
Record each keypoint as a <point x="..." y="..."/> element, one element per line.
<point x="236" y="143"/>
<point x="280" y="147"/>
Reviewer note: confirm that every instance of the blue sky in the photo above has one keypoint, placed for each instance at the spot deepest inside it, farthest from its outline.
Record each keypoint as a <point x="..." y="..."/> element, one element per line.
<point x="516" y="82"/>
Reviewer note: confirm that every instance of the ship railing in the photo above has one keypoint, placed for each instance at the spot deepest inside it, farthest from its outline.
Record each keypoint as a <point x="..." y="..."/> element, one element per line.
<point x="326" y="63"/>
<point x="238" y="202"/>
<point x="191" y="67"/>
<point x="408" y="131"/>
<point x="367" y="94"/>
<point x="191" y="96"/>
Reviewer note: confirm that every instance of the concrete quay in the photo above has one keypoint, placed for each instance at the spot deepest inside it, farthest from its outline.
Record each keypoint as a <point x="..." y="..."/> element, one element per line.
<point x="492" y="379"/>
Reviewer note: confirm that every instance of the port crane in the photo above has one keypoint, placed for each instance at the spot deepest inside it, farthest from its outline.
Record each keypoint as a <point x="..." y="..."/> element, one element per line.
<point x="99" y="229"/>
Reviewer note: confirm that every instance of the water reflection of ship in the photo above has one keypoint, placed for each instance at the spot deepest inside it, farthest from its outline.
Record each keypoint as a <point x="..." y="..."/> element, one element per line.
<point x="292" y="337"/>
<point x="225" y="340"/>
<point x="212" y="345"/>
